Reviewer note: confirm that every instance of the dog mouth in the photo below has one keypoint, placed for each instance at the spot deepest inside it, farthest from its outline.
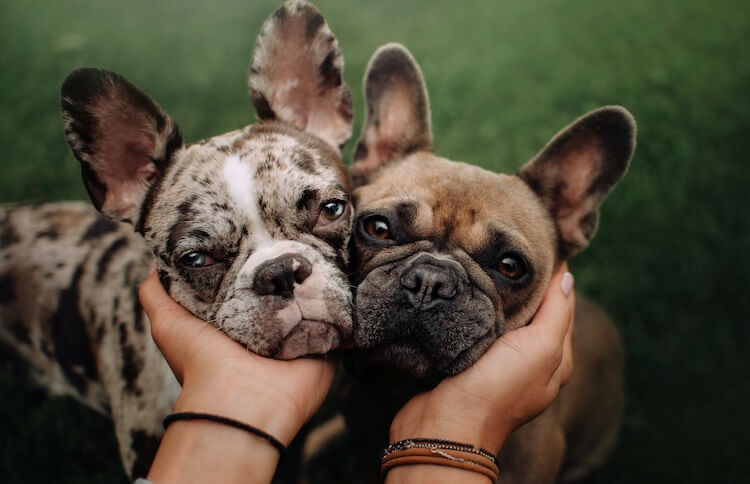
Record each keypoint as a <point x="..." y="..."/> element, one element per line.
<point x="395" y="326"/>
<point x="440" y="342"/>
<point x="405" y="354"/>
<point x="286" y="329"/>
<point x="410" y="355"/>
<point x="310" y="338"/>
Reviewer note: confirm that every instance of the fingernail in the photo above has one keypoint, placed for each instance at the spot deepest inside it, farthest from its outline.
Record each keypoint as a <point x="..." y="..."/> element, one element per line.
<point x="567" y="283"/>
<point x="152" y="267"/>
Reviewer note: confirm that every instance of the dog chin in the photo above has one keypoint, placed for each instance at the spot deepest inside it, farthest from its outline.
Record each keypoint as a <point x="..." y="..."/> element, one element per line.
<point x="410" y="357"/>
<point x="309" y="338"/>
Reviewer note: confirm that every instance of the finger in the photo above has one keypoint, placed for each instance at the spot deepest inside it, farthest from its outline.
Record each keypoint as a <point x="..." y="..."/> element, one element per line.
<point x="157" y="303"/>
<point x="172" y="326"/>
<point x="555" y="315"/>
<point x="169" y="319"/>
<point x="568" y="342"/>
<point x="562" y="374"/>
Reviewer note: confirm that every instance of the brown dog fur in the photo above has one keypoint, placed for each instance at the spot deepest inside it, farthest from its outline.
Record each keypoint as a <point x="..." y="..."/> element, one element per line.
<point x="433" y="241"/>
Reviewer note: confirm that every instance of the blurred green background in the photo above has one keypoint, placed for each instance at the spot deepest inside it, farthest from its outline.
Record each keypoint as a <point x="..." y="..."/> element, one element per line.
<point x="669" y="261"/>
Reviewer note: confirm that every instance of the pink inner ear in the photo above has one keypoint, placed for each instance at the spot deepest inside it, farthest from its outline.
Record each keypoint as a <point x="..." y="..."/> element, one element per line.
<point x="129" y="146"/>
<point x="397" y="117"/>
<point x="577" y="170"/>
<point x="333" y="126"/>
<point x="296" y="69"/>
<point x="297" y="99"/>
<point x="396" y="124"/>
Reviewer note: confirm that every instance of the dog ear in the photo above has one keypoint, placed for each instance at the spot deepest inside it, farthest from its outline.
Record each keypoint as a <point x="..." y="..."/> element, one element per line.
<point x="577" y="168"/>
<point x="122" y="138"/>
<point x="296" y="74"/>
<point x="398" y="112"/>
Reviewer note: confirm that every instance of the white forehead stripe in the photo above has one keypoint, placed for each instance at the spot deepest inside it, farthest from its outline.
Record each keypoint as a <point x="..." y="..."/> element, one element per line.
<point x="239" y="179"/>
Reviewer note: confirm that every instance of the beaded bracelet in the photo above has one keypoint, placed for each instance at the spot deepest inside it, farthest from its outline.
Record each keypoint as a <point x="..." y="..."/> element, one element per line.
<point x="440" y="452"/>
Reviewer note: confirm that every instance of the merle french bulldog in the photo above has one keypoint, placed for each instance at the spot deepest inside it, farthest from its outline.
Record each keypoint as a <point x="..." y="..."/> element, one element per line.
<point x="448" y="257"/>
<point x="249" y="230"/>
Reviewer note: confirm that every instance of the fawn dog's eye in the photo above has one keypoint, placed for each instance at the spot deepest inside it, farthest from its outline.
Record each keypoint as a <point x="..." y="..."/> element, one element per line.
<point x="512" y="266"/>
<point x="377" y="226"/>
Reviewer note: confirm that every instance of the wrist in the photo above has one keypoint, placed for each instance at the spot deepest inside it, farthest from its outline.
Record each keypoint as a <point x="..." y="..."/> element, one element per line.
<point x="243" y="397"/>
<point x="438" y="452"/>
<point x="476" y="427"/>
<point x="205" y="451"/>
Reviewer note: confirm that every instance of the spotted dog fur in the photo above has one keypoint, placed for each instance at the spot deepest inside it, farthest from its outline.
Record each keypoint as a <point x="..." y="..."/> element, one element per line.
<point x="249" y="231"/>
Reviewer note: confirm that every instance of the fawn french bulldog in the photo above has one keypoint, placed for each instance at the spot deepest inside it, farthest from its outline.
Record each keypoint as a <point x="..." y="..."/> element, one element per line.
<point x="449" y="256"/>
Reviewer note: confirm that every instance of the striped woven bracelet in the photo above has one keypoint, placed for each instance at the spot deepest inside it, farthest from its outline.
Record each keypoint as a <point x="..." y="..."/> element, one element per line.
<point x="442" y="453"/>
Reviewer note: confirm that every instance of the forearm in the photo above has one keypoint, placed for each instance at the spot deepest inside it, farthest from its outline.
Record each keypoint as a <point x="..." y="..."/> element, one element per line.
<point x="457" y="419"/>
<point x="206" y="451"/>
<point x="433" y="474"/>
<point x="202" y="451"/>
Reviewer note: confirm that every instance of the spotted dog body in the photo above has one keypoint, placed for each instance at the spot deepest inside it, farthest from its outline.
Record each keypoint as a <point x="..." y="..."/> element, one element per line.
<point x="70" y="310"/>
<point x="450" y="256"/>
<point x="249" y="231"/>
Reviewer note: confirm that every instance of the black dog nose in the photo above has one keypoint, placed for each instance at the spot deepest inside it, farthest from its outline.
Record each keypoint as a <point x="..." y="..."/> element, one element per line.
<point x="278" y="275"/>
<point x="429" y="282"/>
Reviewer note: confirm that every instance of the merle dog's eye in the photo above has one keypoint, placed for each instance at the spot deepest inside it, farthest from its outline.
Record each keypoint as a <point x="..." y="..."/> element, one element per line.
<point x="512" y="266"/>
<point x="196" y="259"/>
<point x="377" y="227"/>
<point x="331" y="211"/>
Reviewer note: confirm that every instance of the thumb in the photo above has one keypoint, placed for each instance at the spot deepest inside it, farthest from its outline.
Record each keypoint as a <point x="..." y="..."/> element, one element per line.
<point x="171" y="324"/>
<point x="162" y="310"/>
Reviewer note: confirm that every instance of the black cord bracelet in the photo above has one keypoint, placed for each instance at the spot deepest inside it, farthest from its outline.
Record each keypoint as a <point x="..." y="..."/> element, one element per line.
<point x="226" y="421"/>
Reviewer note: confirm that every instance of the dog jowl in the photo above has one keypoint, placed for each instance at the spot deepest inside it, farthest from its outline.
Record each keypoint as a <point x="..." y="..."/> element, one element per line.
<point x="450" y="256"/>
<point x="249" y="230"/>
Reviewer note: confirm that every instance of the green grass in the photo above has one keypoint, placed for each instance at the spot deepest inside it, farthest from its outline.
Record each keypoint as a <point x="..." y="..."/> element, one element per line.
<point x="669" y="261"/>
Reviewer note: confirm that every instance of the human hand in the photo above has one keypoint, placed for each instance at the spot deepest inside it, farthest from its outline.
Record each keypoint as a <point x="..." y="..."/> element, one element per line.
<point x="515" y="380"/>
<point x="221" y="377"/>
